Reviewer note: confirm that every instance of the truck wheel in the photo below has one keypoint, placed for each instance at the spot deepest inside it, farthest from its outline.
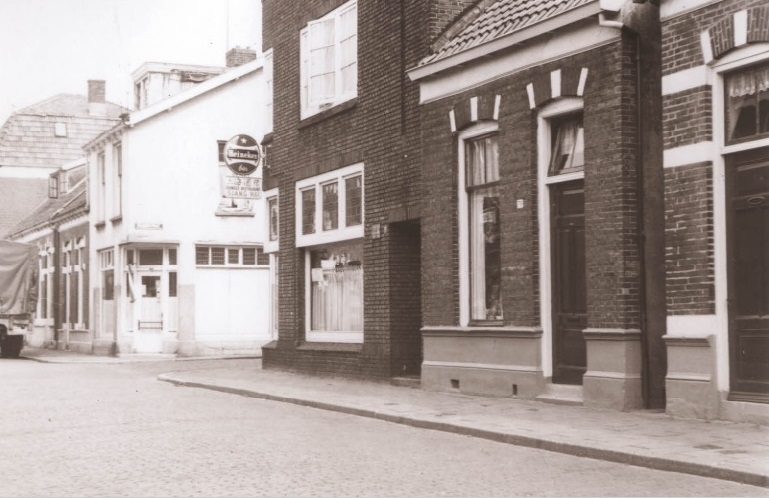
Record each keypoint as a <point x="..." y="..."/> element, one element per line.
<point x="10" y="346"/>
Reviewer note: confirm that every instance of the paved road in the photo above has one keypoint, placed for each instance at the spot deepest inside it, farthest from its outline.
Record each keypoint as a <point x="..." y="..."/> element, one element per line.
<point x="113" y="430"/>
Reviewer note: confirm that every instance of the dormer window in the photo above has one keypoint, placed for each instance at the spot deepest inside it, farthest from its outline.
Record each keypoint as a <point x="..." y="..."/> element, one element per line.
<point x="53" y="187"/>
<point x="60" y="129"/>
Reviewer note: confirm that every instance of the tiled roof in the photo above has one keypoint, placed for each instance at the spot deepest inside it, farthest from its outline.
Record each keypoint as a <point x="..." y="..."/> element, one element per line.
<point x="65" y="204"/>
<point x="27" y="138"/>
<point x="501" y="18"/>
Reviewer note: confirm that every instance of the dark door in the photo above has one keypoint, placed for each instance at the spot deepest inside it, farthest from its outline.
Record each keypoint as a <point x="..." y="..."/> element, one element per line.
<point x="569" y="288"/>
<point x="748" y="272"/>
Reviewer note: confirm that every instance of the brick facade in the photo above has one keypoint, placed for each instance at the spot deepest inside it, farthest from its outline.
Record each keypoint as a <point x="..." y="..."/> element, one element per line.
<point x="380" y="128"/>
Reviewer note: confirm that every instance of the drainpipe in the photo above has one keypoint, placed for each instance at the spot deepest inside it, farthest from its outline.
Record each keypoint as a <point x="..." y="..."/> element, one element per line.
<point x="641" y="227"/>
<point x="55" y="291"/>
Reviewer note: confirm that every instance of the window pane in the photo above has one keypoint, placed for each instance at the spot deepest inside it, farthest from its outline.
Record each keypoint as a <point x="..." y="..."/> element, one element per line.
<point x="482" y="161"/>
<point x="485" y="262"/>
<point x="217" y="255"/>
<point x="336" y="288"/>
<point x="73" y="298"/>
<point x="172" y="256"/>
<point x="201" y="255"/>
<point x="108" y="283"/>
<point x="273" y="207"/>
<point x="747" y="103"/>
<point x="308" y="211"/>
<point x="233" y="256"/>
<point x="151" y="257"/>
<point x="353" y="201"/>
<point x="330" y="206"/>
<point x="567" y="144"/>
<point x="172" y="284"/>
<point x="262" y="259"/>
<point x="249" y="256"/>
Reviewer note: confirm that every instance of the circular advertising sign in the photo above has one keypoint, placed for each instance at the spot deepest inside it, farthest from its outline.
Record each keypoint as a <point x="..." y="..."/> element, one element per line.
<point x="242" y="155"/>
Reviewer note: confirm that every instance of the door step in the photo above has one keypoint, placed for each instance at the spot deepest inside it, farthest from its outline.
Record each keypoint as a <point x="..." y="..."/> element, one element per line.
<point x="413" y="381"/>
<point x="562" y="394"/>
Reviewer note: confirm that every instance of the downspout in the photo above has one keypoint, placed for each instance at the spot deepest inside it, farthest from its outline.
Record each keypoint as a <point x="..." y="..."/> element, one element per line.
<point x="55" y="291"/>
<point x="640" y="225"/>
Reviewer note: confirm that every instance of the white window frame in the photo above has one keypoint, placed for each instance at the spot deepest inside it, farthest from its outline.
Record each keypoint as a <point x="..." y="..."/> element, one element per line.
<point x="309" y="105"/>
<point x="271" y="246"/>
<point x="569" y="105"/>
<point x="101" y="185"/>
<point x="735" y="60"/>
<point x="227" y="263"/>
<point x="463" y="218"/>
<point x="353" y="337"/>
<point x="45" y="274"/>
<point x="117" y="179"/>
<point x="343" y="232"/>
<point x="107" y="262"/>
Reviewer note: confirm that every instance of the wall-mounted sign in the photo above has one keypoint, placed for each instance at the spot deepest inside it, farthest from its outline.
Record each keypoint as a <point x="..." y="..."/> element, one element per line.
<point x="148" y="226"/>
<point x="242" y="154"/>
<point x="242" y="187"/>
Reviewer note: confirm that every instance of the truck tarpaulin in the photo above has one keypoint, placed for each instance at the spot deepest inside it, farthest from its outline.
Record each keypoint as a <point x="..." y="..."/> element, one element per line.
<point x="18" y="278"/>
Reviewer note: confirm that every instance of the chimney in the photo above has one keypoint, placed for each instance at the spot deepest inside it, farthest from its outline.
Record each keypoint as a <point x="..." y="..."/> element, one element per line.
<point x="96" y="99"/>
<point x="238" y="56"/>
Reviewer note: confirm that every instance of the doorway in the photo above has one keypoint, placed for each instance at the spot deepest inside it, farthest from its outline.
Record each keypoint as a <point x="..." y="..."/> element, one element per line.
<point x="149" y="331"/>
<point x="747" y="218"/>
<point x="569" y="286"/>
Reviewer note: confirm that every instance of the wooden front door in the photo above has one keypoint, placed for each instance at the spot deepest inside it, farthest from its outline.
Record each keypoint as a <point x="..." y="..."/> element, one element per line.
<point x="748" y="271"/>
<point x="567" y="211"/>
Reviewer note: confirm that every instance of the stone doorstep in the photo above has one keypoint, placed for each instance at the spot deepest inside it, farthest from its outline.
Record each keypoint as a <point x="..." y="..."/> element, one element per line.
<point x="562" y="394"/>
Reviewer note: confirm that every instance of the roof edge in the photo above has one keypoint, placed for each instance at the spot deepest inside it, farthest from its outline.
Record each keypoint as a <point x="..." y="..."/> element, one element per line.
<point x="137" y="117"/>
<point x="564" y="19"/>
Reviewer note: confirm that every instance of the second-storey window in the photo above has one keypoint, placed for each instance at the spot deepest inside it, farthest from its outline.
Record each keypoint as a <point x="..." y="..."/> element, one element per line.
<point x="329" y="59"/>
<point x="117" y="181"/>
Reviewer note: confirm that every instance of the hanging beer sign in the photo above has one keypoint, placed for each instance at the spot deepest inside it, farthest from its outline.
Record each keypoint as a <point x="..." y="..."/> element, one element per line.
<point x="242" y="154"/>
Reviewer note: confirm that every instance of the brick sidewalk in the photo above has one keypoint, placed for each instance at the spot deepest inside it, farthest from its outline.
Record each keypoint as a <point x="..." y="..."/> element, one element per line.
<point x="723" y="450"/>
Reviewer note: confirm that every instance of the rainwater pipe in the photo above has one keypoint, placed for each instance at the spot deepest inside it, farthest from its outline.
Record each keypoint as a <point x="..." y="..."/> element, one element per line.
<point x="604" y="21"/>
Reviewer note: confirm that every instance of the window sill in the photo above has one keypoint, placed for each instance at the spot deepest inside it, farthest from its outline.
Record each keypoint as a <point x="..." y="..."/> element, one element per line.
<point x="116" y="219"/>
<point x="100" y="225"/>
<point x="224" y="212"/>
<point x="485" y="323"/>
<point x="328" y="113"/>
<point x="338" y="347"/>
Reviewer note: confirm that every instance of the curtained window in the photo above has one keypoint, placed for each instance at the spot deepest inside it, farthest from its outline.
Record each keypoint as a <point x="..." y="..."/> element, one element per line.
<point x="336" y="288"/>
<point x="568" y="144"/>
<point x="482" y="178"/>
<point x="747" y="103"/>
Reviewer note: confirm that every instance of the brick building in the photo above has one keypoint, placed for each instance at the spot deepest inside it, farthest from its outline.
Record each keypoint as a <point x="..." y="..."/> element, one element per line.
<point x="542" y="264"/>
<point x="715" y="87"/>
<point x="344" y="179"/>
<point x="59" y="228"/>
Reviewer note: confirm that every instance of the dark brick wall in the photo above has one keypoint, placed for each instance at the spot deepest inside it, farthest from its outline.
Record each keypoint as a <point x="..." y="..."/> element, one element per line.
<point x="611" y="194"/>
<point x="687" y="117"/>
<point x="381" y="128"/>
<point x="689" y="239"/>
<point x="681" y="47"/>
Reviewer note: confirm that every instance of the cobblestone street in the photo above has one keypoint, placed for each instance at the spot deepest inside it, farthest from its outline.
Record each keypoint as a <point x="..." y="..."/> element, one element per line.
<point x="114" y="430"/>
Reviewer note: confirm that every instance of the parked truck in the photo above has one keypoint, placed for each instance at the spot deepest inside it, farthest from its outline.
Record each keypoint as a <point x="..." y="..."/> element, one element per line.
<point x="18" y="295"/>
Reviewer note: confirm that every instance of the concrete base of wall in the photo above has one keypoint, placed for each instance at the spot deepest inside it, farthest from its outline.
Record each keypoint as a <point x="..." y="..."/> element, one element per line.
<point x="690" y="385"/>
<point x="222" y="347"/>
<point x="103" y="347"/>
<point x="502" y="361"/>
<point x="613" y="377"/>
<point x="744" y="411"/>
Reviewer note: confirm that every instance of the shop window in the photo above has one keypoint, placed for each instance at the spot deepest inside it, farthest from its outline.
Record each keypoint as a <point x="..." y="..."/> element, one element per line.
<point x="335" y="285"/>
<point x="481" y="186"/>
<point x="329" y="59"/>
<point x="108" y="284"/>
<point x="151" y="257"/>
<point x="330" y="206"/>
<point x="747" y="104"/>
<point x="567" y="149"/>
